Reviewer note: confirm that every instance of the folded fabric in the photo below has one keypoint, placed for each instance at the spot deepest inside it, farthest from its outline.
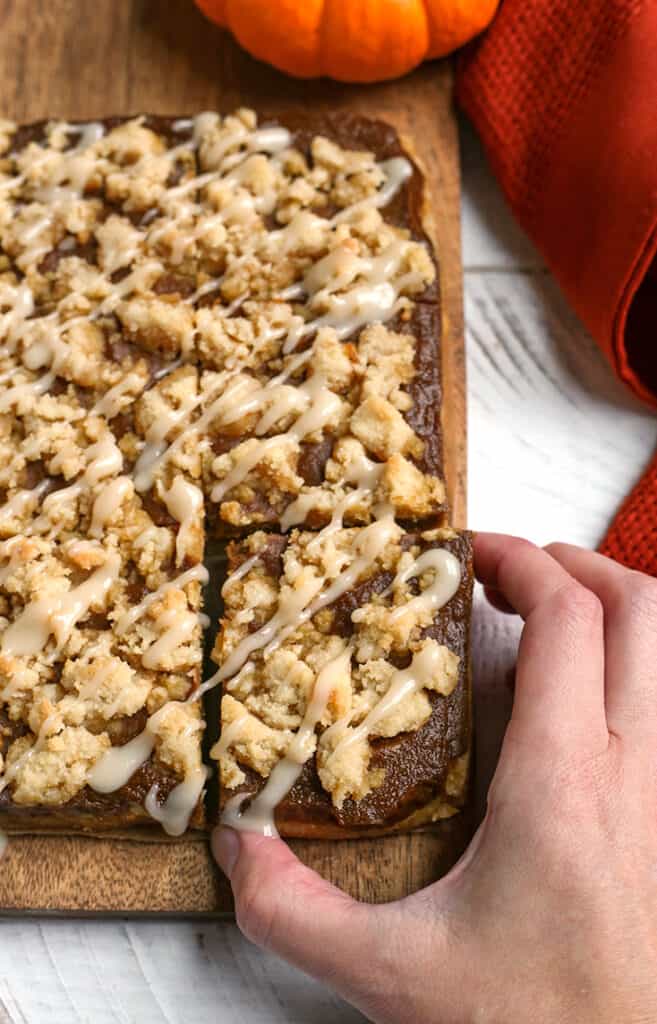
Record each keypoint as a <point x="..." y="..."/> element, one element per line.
<point x="564" y="96"/>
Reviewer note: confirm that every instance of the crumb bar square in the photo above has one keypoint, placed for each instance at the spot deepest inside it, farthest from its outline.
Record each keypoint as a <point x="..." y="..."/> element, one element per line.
<point x="344" y="660"/>
<point x="99" y="610"/>
<point x="340" y="434"/>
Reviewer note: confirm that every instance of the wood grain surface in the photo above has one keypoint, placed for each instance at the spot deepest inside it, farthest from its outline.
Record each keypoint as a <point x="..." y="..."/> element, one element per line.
<point x="89" y="58"/>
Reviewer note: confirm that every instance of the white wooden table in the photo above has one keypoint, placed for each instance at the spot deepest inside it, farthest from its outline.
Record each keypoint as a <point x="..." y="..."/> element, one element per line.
<point x="554" y="444"/>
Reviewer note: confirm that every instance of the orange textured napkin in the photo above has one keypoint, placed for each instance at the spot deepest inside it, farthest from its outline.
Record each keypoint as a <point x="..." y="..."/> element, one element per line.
<point x="564" y="96"/>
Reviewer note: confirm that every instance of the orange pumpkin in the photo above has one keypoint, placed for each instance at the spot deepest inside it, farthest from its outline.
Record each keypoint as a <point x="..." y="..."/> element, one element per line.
<point x="351" y="40"/>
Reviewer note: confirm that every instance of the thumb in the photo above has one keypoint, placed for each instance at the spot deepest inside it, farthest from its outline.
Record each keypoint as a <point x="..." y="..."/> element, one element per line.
<point x="284" y="906"/>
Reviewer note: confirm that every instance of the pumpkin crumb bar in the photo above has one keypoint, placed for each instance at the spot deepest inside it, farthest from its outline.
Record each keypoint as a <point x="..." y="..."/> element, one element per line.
<point x="100" y="600"/>
<point x="207" y="325"/>
<point x="344" y="657"/>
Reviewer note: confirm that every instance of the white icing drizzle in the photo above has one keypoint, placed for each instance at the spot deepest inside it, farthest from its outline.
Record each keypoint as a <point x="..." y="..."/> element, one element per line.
<point x="184" y="502"/>
<point x="51" y="724"/>
<point x="177" y="628"/>
<point x="446" y="582"/>
<point x="14" y="395"/>
<point x="10" y="183"/>
<point x="244" y="466"/>
<point x="238" y="396"/>
<point x="362" y="471"/>
<point x="204" y="289"/>
<point x="259" y="817"/>
<point x="375" y="295"/>
<point x="231" y="167"/>
<point x="419" y="674"/>
<point x="90" y="133"/>
<point x="322" y="405"/>
<point x="175" y="812"/>
<point x="372" y="297"/>
<point x="77" y="548"/>
<point x="370" y="543"/>
<point x="20" y="302"/>
<point x="297" y="510"/>
<point x="110" y="404"/>
<point x="37" y="355"/>
<point x="231" y="732"/>
<point x="137" y="279"/>
<point x="241" y="571"/>
<point x="156" y="450"/>
<point x="51" y="506"/>
<point x="129" y="618"/>
<point x="65" y="182"/>
<point x="336" y="521"/>
<point x="22" y="501"/>
<point x="396" y="172"/>
<point x="376" y="299"/>
<point x="118" y="764"/>
<point x="56" y="616"/>
<point x="53" y="350"/>
<point x="103" y="459"/>
<point x="109" y="502"/>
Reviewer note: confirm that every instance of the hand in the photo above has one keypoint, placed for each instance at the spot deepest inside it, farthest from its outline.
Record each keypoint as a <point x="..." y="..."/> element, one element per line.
<point x="551" y="914"/>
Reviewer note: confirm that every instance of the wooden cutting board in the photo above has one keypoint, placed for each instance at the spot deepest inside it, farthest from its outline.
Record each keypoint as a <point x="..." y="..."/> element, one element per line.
<point x="89" y="58"/>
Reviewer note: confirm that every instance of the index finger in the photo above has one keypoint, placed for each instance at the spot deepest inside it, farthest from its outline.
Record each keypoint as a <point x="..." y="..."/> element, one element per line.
<point x="523" y="573"/>
<point x="559" y="697"/>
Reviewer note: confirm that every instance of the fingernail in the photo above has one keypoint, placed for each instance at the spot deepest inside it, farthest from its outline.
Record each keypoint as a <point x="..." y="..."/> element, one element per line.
<point x="226" y="848"/>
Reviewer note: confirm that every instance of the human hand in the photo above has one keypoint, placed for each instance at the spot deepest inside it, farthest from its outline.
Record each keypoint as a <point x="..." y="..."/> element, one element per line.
<point x="551" y="914"/>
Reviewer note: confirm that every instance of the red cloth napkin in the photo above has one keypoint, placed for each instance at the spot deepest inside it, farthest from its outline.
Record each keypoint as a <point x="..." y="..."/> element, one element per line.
<point x="564" y="96"/>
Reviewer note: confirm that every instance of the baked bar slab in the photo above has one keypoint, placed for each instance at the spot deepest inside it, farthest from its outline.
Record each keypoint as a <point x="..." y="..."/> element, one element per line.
<point x="206" y="325"/>
<point x="346" y="656"/>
